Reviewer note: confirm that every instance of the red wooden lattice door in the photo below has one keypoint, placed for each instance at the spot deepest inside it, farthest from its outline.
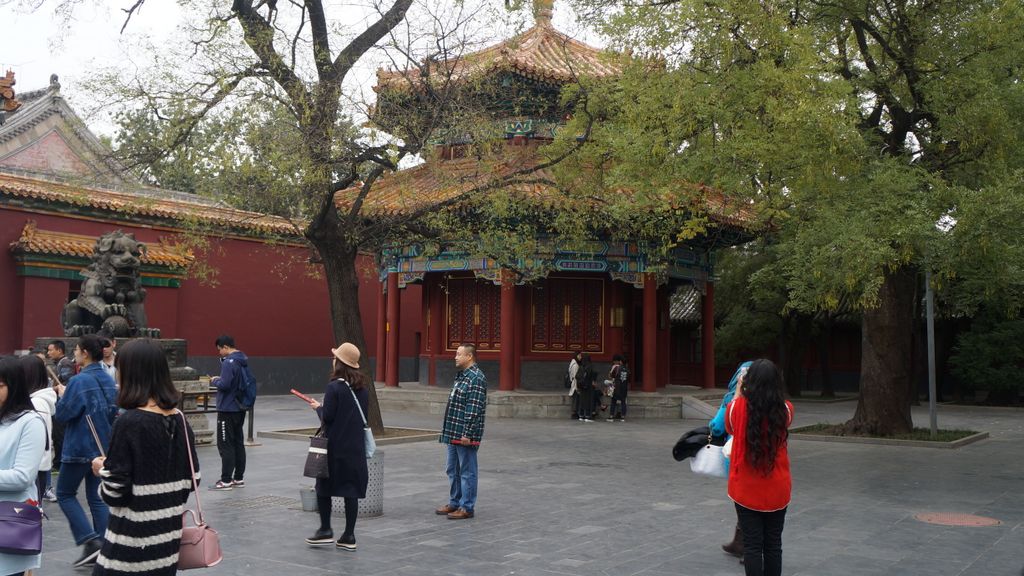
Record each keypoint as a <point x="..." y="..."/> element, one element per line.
<point x="567" y="315"/>
<point x="474" y="314"/>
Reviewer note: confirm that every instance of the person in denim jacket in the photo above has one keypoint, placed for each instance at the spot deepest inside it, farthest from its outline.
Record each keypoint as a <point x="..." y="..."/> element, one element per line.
<point x="92" y="393"/>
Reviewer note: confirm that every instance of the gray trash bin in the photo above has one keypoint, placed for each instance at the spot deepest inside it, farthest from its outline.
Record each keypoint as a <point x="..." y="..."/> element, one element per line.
<point x="373" y="504"/>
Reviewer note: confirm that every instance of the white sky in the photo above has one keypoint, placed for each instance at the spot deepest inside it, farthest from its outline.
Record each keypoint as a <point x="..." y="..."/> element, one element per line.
<point x="35" y="44"/>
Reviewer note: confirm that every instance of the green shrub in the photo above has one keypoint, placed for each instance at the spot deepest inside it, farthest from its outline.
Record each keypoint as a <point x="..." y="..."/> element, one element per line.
<point x="989" y="357"/>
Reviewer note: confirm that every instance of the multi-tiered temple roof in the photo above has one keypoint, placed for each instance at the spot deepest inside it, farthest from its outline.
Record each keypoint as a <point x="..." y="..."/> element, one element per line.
<point x="539" y="63"/>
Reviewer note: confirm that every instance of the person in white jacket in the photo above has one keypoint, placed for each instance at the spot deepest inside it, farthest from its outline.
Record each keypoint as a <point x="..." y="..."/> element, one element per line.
<point x="44" y="400"/>
<point x="574" y="366"/>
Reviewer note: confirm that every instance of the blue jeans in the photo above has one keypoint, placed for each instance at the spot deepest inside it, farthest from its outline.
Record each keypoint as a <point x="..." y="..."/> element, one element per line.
<point x="462" y="476"/>
<point x="68" y="481"/>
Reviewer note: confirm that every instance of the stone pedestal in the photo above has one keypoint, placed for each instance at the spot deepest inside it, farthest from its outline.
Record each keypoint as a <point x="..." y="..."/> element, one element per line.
<point x="185" y="378"/>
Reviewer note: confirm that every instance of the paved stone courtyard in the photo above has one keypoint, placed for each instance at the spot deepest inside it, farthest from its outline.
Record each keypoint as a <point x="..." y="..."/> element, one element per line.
<point x="559" y="497"/>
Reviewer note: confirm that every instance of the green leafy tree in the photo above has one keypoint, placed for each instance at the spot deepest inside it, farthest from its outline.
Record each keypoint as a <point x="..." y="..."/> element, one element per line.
<point x="875" y="137"/>
<point x="254" y="109"/>
<point x="989" y="357"/>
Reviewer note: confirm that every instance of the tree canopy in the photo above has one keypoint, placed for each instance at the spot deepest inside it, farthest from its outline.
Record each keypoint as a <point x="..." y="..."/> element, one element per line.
<point x="874" y="137"/>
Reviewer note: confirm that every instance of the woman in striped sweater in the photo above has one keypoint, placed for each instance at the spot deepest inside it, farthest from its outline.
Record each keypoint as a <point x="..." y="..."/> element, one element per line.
<point x="145" y="478"/>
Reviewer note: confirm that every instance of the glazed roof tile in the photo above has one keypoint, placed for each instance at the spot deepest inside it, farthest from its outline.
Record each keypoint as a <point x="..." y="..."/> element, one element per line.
<point x="36" y="241"/>
<point x="139" y="204"/>
<point x="541" y="53"/>
<point x="426" y="186"/>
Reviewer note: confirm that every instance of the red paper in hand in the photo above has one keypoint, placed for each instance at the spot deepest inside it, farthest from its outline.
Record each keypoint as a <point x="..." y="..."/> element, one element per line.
<point x="307" y="399"/>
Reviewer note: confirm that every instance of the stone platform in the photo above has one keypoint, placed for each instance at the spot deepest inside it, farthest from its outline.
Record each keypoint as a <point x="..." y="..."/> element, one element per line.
<point x="672" y="402"/>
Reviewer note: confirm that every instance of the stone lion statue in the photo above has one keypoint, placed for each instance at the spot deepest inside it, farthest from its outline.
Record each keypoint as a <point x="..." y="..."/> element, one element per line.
<point x="112" y="294"/>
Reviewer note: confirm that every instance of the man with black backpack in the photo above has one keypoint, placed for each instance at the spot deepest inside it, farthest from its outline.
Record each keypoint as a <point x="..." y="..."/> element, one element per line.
<point x="236" y="389"/>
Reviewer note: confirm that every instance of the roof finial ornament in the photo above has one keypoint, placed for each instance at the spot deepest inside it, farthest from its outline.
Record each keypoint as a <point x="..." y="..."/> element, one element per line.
<point x="542" y="11"/>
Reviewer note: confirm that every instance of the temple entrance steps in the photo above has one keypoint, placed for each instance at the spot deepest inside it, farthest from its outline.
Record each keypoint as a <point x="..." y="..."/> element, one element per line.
<point x="671" y="402"/>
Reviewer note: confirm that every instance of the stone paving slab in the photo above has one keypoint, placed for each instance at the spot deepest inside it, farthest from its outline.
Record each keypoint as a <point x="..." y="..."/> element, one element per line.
<point x="565" y="498"/>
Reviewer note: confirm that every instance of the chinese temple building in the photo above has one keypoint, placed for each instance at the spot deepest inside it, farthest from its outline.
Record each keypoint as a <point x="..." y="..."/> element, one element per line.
<point x="608" y="297"/>
<point x="60" y="190"/>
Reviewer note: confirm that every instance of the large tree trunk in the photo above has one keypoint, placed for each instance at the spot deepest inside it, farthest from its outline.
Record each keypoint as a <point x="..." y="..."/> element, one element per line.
<point x="797" y="330"/>
<point x="338" y="253"/>
<point x="824" y="346"/>
<point x="884" y="405"/>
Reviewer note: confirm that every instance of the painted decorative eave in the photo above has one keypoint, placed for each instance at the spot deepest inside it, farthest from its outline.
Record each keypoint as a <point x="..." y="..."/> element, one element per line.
<point x="34" y="241"/>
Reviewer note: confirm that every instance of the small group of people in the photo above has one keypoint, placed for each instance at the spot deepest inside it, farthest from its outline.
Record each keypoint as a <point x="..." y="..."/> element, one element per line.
<point x="137" y="455"/>
<point x="343" y="416"/>
<point x="126" y="441"/>
<point x="756" y="416"/>
<point x="587" y="397"/>
<point x="135" y="451"/>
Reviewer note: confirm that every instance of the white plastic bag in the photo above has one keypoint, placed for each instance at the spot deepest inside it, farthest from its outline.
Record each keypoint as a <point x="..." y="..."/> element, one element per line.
<point x="709" y="461"/>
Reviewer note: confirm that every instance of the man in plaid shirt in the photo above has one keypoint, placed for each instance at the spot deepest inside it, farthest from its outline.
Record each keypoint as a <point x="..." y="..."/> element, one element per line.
<point x="462" y="431"/>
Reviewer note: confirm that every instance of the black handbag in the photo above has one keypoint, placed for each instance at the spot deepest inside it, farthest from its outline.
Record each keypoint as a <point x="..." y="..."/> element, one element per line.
<point x="317" y="465"/>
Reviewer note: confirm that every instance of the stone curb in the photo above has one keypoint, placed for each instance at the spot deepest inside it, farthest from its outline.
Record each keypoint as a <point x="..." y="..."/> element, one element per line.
<point x="300" y="435"/>
<point x="891" y="442"/>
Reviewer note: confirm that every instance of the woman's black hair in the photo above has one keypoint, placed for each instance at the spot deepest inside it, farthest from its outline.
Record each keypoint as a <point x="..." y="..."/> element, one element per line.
<point x="347" y="373"/>
<point x="13" y="376"/>
<point x="92" y="345"/>
<point x="144" y="375"/>
<point x="35" y="372"/>
<point x="767" y="415"/>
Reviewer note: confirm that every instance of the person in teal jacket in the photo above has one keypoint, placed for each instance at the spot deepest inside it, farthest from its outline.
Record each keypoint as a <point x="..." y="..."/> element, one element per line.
<point x="717" y="426"/>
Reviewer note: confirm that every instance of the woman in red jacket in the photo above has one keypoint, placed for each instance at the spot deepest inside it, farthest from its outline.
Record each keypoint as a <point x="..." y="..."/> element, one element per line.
<point x="759" y="481"/>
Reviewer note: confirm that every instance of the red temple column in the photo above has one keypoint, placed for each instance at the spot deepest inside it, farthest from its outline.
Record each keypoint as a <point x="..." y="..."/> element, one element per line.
<point x="707" y="334"/>
<point x="522" y="321"/>
<point x="437" y="323"/>
<point x="650" y="351"/>
<point x="394" y="298"/>
<point x="664" y="331"/>
<point x="382" y="335"/>
<point x="507" y="370"/>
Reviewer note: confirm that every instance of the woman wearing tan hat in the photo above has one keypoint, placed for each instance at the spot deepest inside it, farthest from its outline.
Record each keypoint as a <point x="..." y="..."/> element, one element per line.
<point x="342" y="414"/>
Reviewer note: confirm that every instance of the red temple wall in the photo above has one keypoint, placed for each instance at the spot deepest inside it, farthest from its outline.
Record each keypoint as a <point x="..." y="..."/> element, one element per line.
<point x="263" y="296"/>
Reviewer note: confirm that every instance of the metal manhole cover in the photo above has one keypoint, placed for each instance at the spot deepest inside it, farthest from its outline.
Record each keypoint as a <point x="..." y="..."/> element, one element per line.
<point x="956" y="519"/>
<point x="261" y="502"/>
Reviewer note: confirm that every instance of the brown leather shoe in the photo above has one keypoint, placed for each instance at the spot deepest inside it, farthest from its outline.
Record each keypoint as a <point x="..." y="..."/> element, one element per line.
<point x="445" y="510"/>
<point x="460" y="514"/>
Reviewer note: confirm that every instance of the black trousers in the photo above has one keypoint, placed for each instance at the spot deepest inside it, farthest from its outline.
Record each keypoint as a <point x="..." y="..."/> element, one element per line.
<point x="231" y="445"/>
<point x="762" y="541"/>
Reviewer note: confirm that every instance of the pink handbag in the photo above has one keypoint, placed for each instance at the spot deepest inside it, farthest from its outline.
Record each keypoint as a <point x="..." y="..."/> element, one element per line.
<point x="200" y="544"/>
